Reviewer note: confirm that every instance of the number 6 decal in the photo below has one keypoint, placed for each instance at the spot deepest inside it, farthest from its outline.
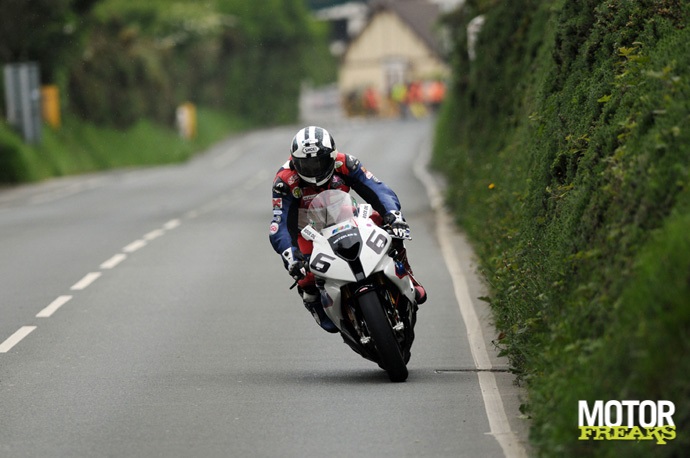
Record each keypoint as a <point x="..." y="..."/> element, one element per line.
<point x="376" y="242"/>
<point x="320" y="263"/>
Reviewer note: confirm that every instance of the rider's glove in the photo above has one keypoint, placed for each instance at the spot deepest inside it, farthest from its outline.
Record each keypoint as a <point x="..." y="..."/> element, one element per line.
<point x="295" y="263"/>
<point x="398" y="226"/>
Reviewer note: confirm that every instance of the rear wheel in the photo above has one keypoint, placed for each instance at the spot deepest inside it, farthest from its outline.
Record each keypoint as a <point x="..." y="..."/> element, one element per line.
<point x="382" y="334"/>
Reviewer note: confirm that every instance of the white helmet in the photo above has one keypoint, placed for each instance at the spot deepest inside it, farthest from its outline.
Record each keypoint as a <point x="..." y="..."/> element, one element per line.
<point x="313" y="155"/>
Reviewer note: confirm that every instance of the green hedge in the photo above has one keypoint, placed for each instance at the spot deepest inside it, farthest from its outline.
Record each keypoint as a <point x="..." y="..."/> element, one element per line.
<point x="246" y="58"/>
<point x="15" y="157"/>
<point x="570" y="147"/>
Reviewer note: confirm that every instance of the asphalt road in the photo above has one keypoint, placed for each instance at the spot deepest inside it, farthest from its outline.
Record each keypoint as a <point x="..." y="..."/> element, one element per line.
<point x="143" y="313"/>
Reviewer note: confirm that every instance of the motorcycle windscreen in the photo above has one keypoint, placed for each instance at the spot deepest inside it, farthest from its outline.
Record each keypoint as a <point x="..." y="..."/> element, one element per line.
<point x="330" y="208"/>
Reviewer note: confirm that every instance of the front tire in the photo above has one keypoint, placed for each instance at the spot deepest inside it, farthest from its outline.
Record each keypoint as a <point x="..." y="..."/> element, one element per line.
<point x="382" y="334"/>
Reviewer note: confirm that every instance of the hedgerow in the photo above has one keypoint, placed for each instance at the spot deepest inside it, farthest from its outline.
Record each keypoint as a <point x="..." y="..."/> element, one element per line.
<point x="569" y="143"/>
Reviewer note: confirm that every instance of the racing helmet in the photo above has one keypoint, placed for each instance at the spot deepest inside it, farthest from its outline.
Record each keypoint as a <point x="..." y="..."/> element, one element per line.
<point x="313" y="155"/>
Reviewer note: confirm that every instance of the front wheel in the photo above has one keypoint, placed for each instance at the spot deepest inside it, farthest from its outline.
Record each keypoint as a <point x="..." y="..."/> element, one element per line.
<point x="382" y="334"/>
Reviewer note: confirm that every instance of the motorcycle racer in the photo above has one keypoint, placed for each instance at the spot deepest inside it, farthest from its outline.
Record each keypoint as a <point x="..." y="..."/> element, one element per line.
<point x="316" y="165"/>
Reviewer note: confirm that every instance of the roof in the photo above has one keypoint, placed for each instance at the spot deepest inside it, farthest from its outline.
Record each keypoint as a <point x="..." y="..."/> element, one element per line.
<point x="419" y="15"/>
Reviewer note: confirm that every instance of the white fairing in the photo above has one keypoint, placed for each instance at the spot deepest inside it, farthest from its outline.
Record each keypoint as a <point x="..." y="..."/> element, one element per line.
<point x="336" y="272"/>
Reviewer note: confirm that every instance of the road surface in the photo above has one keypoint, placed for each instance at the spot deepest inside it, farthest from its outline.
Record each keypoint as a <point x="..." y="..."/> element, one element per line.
<point x="143" y="313"/>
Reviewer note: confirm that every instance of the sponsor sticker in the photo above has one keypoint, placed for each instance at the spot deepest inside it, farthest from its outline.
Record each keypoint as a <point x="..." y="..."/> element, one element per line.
<point x="297" y="192"/>
<point x="273" y="228"/>
<point x="277" y="203"/>
<point x="337" y="182"/>
<point x="342" y="227"/>
<point x="370" y="175"/>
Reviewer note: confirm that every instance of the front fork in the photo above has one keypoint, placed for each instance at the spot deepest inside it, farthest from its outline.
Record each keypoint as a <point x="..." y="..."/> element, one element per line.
<point x="391" y="310"/>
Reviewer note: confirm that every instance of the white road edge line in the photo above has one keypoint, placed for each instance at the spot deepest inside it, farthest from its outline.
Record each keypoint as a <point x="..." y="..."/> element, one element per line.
<point x="495" y="411"/>
<point x="15" y="338"/>
<point x="114" y="261"/>
<point x="52" y="308"/>
<point x="86" y="281"/>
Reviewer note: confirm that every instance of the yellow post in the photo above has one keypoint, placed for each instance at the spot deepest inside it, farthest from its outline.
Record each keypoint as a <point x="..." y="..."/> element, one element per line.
<point x="192" y="120"/>
<point x="50" y="105"/>
<point x="186" y="120"/>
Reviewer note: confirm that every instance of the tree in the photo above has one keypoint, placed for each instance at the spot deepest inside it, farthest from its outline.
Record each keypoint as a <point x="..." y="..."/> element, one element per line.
<point x="46" y="31"/>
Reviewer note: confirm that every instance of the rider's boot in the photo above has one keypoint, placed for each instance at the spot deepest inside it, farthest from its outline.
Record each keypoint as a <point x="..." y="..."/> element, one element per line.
<point x="312" y="302"/>
<point x="419" y="291"/>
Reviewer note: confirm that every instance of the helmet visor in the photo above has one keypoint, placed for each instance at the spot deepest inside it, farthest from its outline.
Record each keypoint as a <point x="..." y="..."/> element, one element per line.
<point x="318" y="167"/>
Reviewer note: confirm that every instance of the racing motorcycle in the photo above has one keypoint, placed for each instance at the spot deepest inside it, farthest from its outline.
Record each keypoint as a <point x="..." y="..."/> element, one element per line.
<point x="365" y="291"/>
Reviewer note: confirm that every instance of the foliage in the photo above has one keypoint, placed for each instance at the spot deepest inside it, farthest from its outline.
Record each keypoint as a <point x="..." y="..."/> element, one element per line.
<point x="47" y="31"/>
<point x="80" y="147"/>
<point x="121" y="64"/>
<point x="14" y="155"/>
<point x="248" y="58"/>
<point x="568" y="142"/>
<point x="276" y="55"/>
<point x="122" y="78"/>
<point x="141" y="59"/>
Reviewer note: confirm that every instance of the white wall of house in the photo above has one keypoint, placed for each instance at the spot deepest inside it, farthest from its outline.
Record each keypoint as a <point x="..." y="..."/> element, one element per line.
<point x="385" y="52"/>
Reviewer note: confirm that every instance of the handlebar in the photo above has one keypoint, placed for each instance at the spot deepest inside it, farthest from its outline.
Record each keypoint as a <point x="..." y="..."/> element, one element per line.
<point x="305" y="271"/>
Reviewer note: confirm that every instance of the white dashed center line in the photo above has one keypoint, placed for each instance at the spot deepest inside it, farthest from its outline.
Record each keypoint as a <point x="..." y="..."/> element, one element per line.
<point x="134" y="246"/>
<point x="15" y="338"/>
<point x="89" y="278"/>
<point x="56" y="304"/>
<point x="86" y="281"/>
<point x="154" y="234"/>
<point x="172" y="224"/>
<point x="115" y="260"/>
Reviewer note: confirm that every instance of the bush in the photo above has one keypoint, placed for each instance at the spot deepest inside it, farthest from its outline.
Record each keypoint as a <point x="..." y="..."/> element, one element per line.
<point x="13" y="152"/>
<point x="123" y="78"/>
<point x="246" y="58"/>
<point x="569" y="141"/>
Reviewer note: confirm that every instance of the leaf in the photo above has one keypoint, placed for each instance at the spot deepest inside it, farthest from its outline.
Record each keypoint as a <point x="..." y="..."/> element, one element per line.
<point x="604" y="99"/>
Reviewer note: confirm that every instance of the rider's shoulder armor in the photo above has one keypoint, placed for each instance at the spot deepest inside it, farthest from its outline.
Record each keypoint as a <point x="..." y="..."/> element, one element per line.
<point x="285" y="181"/>
<point x="350" y="163"/>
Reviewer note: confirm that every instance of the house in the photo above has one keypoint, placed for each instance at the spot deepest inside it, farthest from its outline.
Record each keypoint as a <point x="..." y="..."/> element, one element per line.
<point x="346" y="21"/>
<point x="398" y="44"/>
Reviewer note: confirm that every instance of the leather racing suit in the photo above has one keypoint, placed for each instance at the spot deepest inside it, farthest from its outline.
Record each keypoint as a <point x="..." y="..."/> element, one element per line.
<point x="292" y="196"/>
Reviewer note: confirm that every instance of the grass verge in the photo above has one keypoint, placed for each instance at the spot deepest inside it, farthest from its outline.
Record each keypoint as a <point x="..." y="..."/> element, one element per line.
<point x="79" y="147"/>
